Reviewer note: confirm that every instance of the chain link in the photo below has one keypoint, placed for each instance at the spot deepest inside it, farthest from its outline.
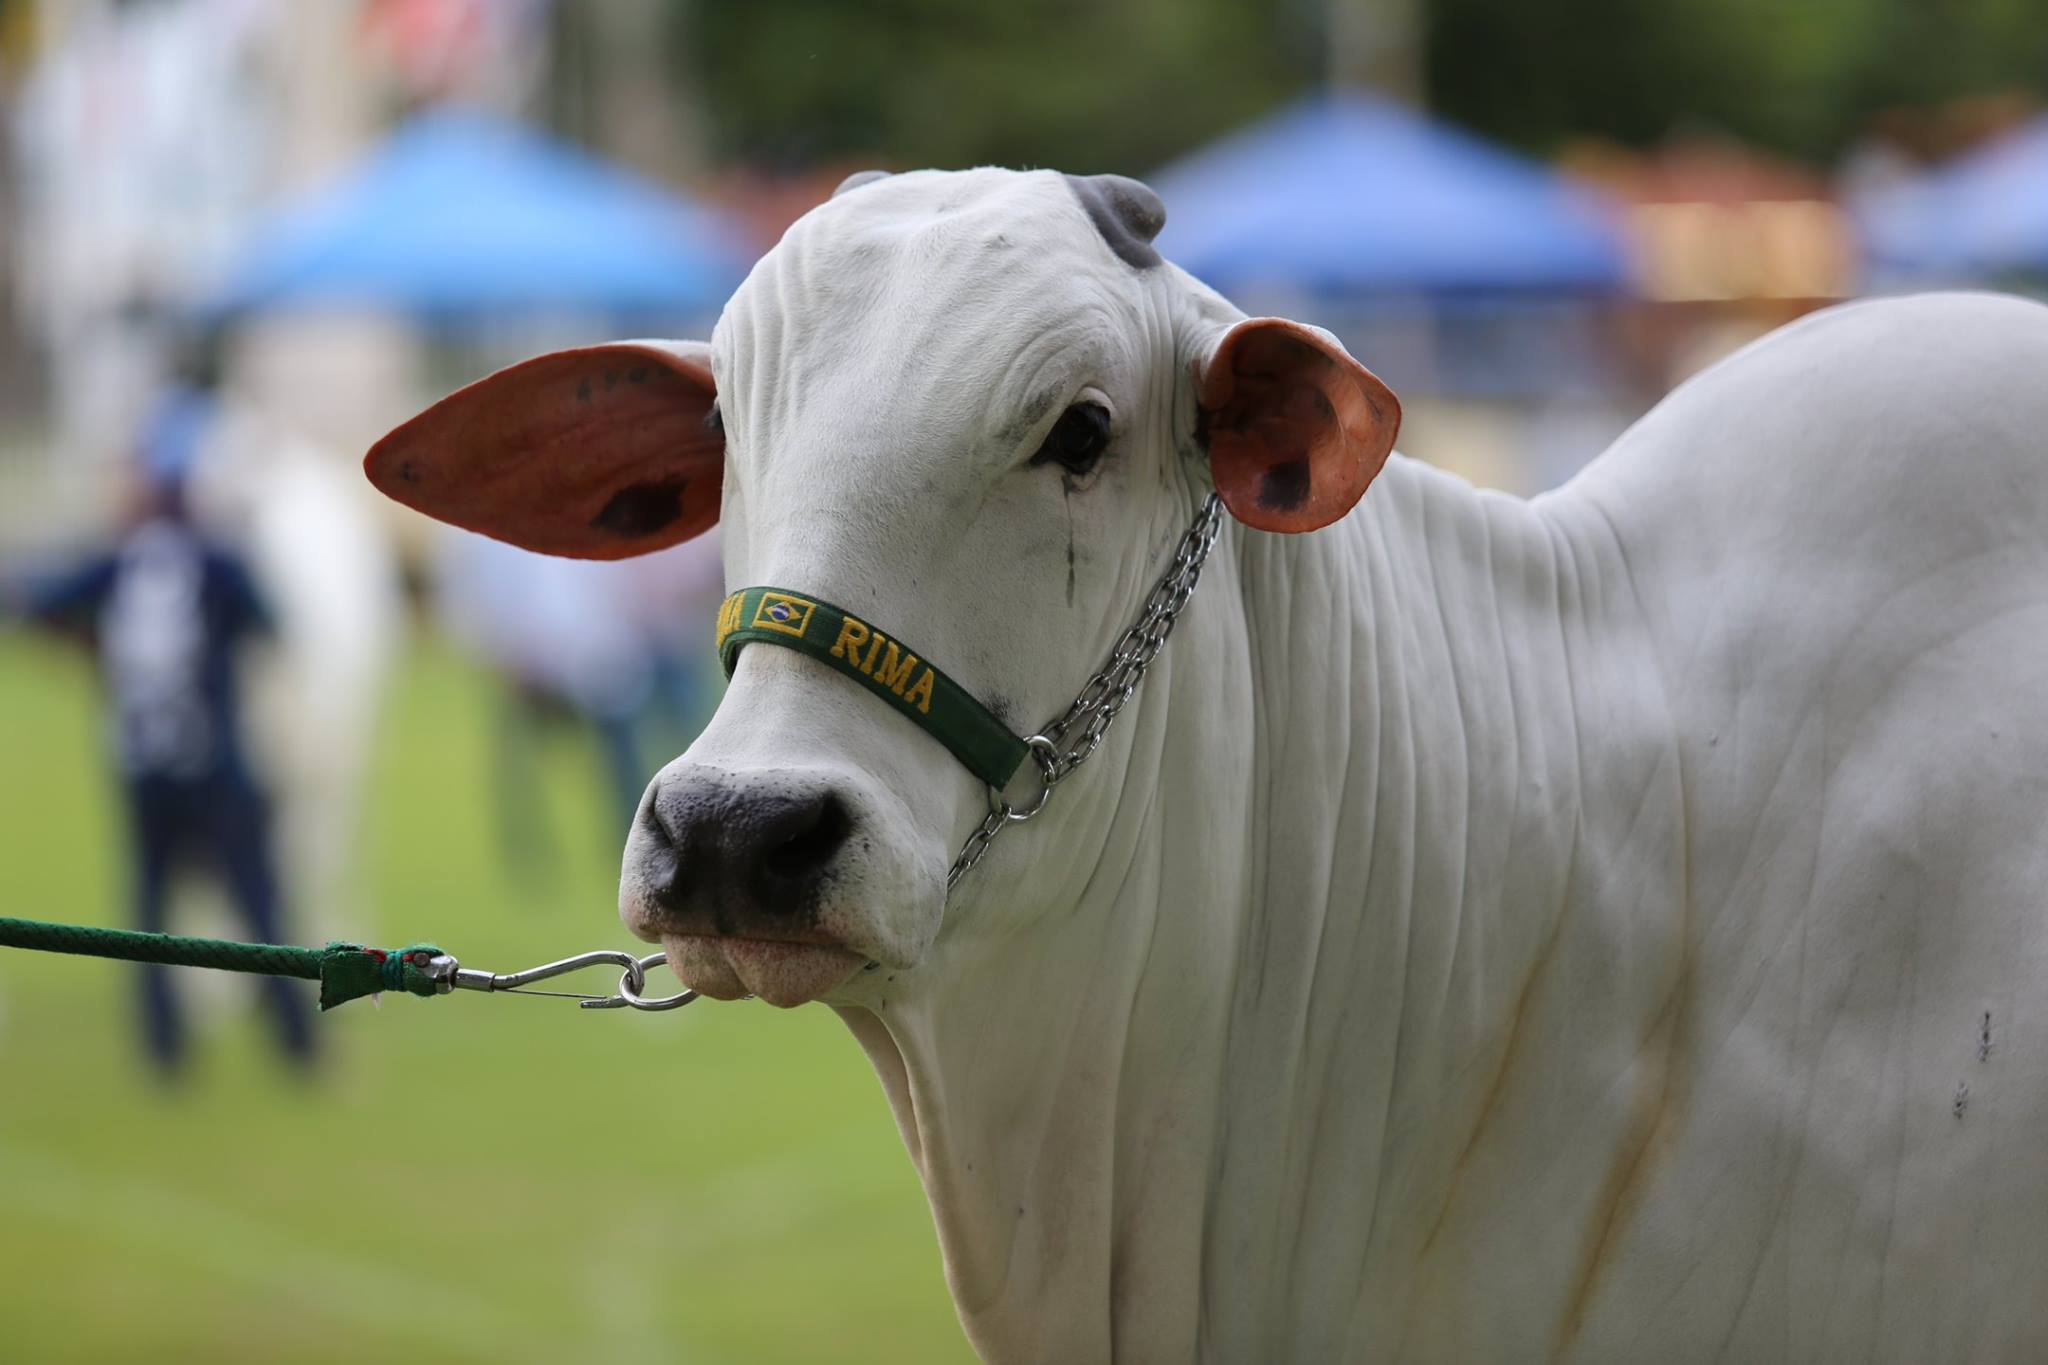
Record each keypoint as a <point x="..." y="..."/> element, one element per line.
<point x="1068" y="742"/>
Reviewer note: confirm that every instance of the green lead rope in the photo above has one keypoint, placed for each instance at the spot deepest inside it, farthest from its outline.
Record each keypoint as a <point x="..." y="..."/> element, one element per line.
<point x="345" y="971"/>
<point x="913" y="686"/>
<point x="837" y="638"/>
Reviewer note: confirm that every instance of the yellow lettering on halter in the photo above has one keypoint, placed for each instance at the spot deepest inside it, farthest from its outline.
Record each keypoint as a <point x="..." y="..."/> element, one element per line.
<point x="875" y="644"/>
<point x="728" y="617"/>
<point x="920" y="693"/>
<point x="895" y="670"/>
<point x="852" y="635"/>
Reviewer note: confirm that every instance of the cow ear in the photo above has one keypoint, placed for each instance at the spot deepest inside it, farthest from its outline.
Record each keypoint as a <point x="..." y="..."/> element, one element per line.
<point x="1295" y="428"/>
<point x="600" y="453"/>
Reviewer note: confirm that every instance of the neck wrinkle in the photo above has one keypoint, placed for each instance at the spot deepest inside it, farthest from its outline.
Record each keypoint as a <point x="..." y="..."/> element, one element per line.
<point x="1375" y="1003"/>
<point x="1129" y="1110"/>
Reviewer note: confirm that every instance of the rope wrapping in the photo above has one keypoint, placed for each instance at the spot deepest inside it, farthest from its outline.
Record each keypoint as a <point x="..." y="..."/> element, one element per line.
<point x="345" y="971"/>
<point x="349" y="971"/>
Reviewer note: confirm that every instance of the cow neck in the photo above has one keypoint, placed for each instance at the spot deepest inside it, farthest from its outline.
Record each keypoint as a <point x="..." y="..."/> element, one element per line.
<point x="1419" y="851"/>
<point x="1448" y="909"/>
<point x="1294" y="960"/>
<point x="986" y="1066"/>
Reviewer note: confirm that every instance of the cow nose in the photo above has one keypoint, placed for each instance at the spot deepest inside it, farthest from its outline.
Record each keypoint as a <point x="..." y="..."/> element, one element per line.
<point x="744" y="857"/>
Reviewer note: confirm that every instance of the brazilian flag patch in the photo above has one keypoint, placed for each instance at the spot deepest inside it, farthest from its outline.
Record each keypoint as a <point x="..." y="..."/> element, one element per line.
<point x="782" y="612"/>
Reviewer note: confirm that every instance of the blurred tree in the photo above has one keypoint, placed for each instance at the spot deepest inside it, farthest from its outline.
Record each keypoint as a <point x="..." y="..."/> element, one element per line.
<point x="1093" y="85"/>
<point x="1803" y="78"/>
<point x="1086" y="85"/>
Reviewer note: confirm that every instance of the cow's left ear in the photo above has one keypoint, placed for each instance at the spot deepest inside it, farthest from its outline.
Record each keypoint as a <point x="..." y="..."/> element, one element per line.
<point x="1295" y="428"/>
<point x="600" y="453"/>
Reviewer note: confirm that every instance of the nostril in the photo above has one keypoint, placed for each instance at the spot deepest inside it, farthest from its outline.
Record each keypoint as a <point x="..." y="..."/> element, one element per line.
<point x="656" y="828"/>
<point x="811" y="839"/>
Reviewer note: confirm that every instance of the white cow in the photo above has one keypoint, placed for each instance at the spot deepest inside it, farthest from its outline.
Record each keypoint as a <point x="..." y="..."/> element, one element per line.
<point x="1609" y="927"/>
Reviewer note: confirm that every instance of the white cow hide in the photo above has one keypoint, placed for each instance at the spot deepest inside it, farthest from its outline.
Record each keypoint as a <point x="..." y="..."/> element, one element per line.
<point x="1608" y="927"/>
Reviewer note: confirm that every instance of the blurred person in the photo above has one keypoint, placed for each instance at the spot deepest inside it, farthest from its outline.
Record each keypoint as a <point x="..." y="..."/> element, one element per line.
<point x="166" y="609"/>
<point x="674" y="595"/>
<point x="562" y="636"/>
<point x="620" y="649"/>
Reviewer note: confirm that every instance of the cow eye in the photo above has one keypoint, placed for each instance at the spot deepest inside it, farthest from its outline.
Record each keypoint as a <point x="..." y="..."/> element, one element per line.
<point x="1077" y="440"/>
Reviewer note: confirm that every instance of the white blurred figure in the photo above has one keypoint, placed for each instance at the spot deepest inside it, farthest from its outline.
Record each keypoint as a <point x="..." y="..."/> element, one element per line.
<point x="622" y="649"/>
<point x="562" y="639"/>
<point x="323" y="554"/>
<point x="674" y="598"/>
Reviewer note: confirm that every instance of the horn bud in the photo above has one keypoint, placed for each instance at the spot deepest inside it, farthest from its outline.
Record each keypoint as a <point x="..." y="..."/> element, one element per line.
<point x="1134" y="203"/>
<point x="857" y="179"/>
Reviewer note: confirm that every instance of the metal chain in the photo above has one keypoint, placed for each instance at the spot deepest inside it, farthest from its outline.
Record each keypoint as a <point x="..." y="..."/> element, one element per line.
<point x="1067" y="742"/>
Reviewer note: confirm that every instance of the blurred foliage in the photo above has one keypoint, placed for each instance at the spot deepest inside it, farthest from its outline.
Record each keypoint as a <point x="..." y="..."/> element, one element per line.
<point x="1804" y="78"/>
<point x="1085" y="85"/>
<point x="1126" y="84"/>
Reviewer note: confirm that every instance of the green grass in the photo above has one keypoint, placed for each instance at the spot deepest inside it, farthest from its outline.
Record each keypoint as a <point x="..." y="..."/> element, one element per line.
<point x="471" y="1178"/>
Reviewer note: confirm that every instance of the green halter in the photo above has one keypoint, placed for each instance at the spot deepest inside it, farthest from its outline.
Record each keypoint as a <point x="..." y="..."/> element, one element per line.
<point x="917" y="689"/>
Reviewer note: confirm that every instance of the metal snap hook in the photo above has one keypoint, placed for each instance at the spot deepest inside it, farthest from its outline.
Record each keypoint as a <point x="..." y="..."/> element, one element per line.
<point x="450" y="975"/>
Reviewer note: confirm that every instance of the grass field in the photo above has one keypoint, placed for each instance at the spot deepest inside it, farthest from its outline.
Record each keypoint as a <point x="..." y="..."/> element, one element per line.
<point x="472" y="1178"/>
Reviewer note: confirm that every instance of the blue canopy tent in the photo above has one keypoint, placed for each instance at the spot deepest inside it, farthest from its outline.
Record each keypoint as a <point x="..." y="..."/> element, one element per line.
<point x="1346" y="195"/>
<point x="1985" y="214"/>
<point x="459" y="216"/>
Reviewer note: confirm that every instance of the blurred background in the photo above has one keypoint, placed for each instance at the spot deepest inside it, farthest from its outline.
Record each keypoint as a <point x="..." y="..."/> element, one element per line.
<point x="240" y="696"/>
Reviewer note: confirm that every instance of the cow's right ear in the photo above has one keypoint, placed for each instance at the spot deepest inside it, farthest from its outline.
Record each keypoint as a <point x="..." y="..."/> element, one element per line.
<point x="600" y="453"/>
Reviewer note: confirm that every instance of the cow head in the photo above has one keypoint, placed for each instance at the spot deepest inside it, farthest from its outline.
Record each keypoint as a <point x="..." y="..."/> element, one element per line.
<point x="975" y="409"/>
